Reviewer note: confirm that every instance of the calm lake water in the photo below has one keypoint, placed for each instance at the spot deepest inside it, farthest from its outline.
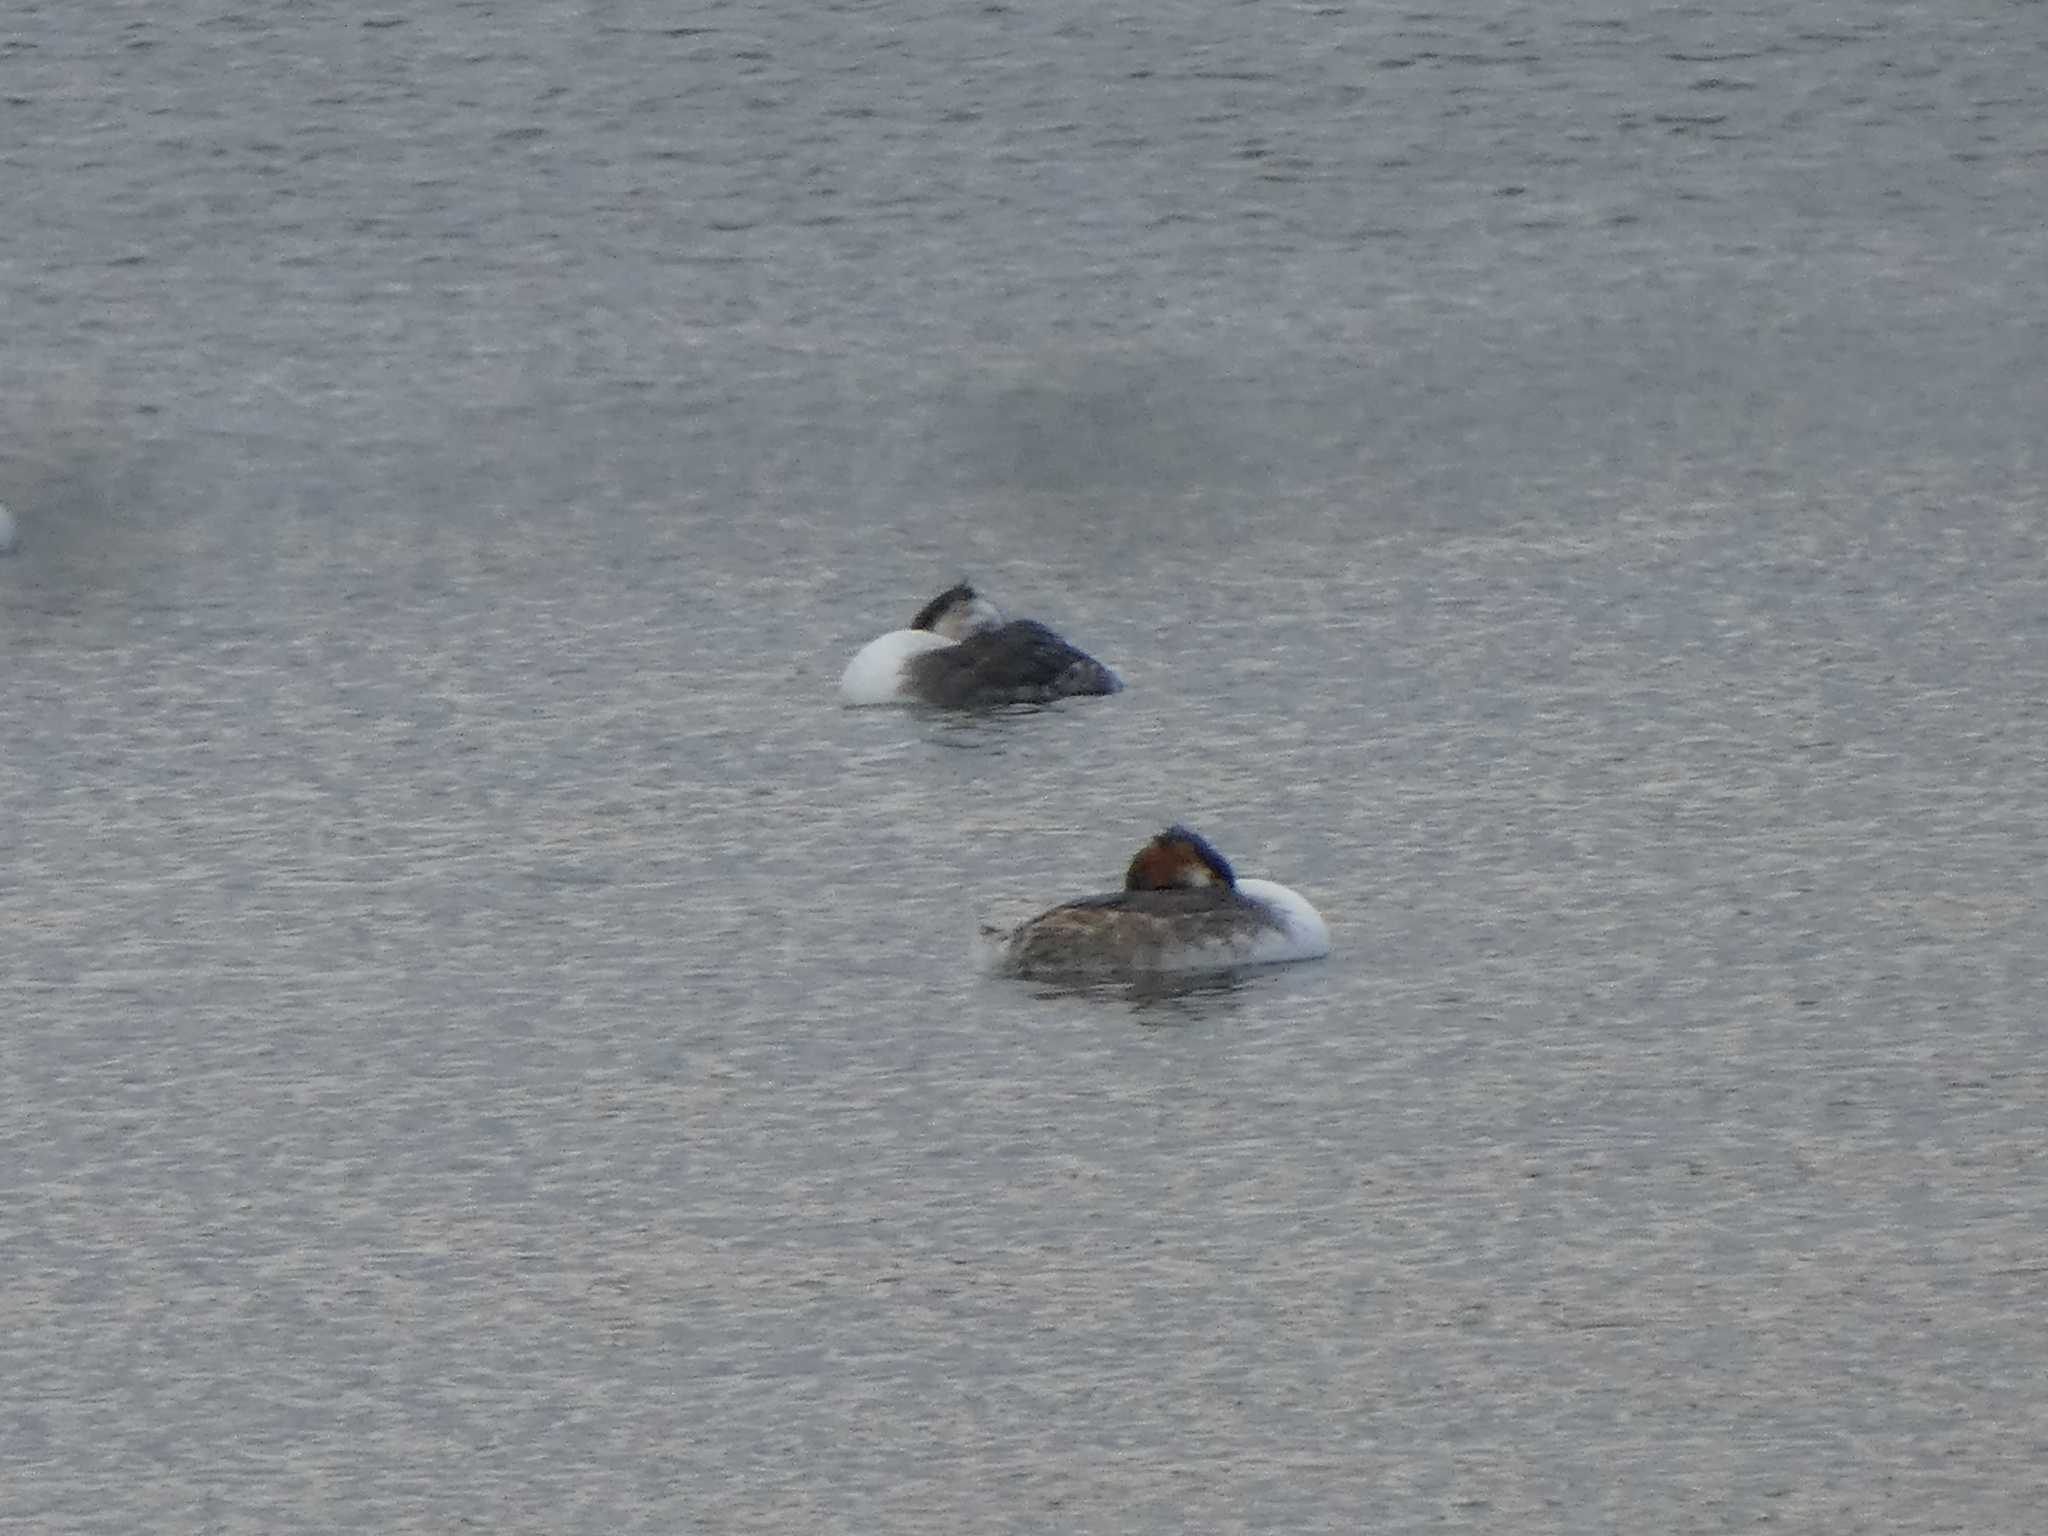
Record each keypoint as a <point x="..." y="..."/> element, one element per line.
<point x="490" y="1045"/>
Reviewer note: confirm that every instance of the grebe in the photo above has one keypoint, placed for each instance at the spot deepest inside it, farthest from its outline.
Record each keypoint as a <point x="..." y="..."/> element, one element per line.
<point x="961" y="653"/>
<point x="1182" y="908"/>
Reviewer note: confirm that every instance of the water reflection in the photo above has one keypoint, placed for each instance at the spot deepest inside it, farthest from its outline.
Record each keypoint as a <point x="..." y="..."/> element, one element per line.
<point x="982" y="730"/>
<point x="1173" y="997"/>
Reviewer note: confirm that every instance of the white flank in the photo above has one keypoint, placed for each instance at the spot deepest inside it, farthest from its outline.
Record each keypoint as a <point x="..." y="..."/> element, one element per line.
<point x="875" y="675"/>
<point x="1303" y="936"/>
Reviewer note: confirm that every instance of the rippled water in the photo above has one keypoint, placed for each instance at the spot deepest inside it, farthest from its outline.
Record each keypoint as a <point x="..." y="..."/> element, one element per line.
<point x="489" y="1044"/>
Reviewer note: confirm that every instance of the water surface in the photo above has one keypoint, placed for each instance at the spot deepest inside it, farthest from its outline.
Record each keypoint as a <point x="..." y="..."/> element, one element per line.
<point x="489" y="1044"/>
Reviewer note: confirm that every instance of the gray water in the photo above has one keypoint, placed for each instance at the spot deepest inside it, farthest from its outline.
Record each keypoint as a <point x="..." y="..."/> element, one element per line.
<point x="487" y="1043"/>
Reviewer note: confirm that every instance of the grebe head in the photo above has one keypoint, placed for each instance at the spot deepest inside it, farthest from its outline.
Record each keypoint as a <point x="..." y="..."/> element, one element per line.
<point x="1179" y="858"/>
<point x="957" y="612"/>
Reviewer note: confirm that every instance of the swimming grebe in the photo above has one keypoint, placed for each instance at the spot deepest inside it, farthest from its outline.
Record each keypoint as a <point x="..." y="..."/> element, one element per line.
<point x="961" y="653"/>
<point x="1182" y="908"/>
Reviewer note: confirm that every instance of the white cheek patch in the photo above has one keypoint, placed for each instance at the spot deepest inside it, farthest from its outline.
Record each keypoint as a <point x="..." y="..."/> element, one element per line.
<point x="971" y="617"/>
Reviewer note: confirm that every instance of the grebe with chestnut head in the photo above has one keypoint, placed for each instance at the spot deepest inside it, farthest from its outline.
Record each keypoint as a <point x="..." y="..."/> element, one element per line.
<point x="1182" y="908"/>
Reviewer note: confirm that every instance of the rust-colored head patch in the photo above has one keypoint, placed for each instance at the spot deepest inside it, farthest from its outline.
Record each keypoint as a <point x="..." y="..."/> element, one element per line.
<point x="1178" y="859"/>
